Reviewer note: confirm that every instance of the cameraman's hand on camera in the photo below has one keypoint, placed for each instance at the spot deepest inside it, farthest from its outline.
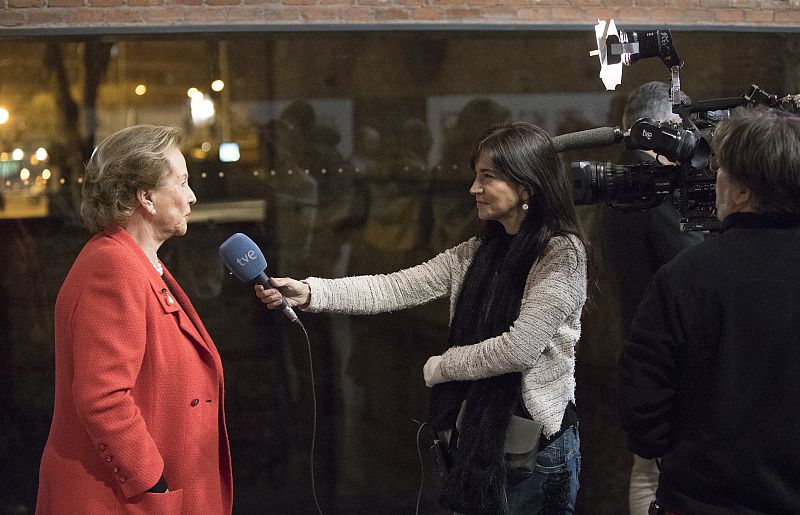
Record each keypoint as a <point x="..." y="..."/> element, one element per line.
<point x="432" y="371"/>
<point x="296" y="293"/>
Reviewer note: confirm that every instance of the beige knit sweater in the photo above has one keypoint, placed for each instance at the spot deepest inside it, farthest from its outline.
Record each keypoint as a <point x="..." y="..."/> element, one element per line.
<point x="540" y="343"/>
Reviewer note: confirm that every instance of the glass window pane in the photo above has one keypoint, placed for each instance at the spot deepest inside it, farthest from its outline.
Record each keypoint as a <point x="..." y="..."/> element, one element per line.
<point x="339" y="153"/>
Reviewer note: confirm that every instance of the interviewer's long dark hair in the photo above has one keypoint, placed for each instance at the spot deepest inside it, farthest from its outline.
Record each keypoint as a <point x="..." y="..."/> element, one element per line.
<point x="523" y="154"/>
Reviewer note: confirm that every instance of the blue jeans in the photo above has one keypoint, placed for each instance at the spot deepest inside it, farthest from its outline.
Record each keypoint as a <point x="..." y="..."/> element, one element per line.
<point x="553" y="486"/>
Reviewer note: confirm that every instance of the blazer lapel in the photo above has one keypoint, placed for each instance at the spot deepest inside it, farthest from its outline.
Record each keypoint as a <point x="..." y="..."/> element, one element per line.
<point x="171" y="297"/>
<point x="188" y="319"/>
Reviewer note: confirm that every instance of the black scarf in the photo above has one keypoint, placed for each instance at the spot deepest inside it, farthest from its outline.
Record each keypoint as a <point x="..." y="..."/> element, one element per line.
<point x="488" y="304"/>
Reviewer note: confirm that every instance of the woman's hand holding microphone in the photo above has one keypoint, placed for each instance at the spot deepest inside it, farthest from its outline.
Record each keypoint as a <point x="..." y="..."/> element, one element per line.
<point x="296" y="293"/>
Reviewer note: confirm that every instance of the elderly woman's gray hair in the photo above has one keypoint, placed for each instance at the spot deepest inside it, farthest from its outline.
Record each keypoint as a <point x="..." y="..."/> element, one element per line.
<point x="129" y="160"/>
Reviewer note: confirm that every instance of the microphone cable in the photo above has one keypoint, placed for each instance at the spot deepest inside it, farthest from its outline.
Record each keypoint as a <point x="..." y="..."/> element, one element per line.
<point x="314" y="431"/>
<point x="421" y="465"/>
<point x="314" y="423"/>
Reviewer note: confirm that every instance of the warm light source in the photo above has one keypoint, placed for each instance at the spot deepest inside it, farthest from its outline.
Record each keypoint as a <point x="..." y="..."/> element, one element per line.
<point x="4" y="115"/>
<point x="218" y="85"/>
<point x="202" y="109"/>
<point x="140" y="89"/>
<point x="17" y="154"/>
<point x="24" y="174"/>
<point x="46" y="174"/>
<point x="206" y="146"/>
<point x="41" y="154"/>
<point x="191" y="92"/>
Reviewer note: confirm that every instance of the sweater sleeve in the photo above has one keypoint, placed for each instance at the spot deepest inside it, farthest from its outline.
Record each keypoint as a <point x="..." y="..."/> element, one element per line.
<point x="646" y="389"/>
<point x="108" y="348"/>
<point x="369" y="294"/>
<point x="555" y="291"/>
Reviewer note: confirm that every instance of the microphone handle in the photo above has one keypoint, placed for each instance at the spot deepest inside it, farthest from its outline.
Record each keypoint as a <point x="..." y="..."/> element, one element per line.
<point x="263" y="280"/>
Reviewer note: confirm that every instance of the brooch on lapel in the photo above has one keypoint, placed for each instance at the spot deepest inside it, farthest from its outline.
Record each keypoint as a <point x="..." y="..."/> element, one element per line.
<point x="165" y="293"/>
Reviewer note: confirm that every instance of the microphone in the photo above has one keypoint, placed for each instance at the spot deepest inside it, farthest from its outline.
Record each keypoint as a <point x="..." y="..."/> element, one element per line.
<point x="599" y="137"/>
<point x="245" y="260"/>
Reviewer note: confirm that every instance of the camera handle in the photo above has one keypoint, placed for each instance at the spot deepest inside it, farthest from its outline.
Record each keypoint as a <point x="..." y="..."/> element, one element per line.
<point x="754" y="96"/>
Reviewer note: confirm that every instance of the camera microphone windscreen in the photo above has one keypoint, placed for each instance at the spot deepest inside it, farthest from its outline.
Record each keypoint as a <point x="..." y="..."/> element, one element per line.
<point x="245" y="260"/>
<point x="591" y="138"/>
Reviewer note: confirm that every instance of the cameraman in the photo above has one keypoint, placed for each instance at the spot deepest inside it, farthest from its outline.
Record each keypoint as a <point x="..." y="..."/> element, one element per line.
<point x="710" y="372"/>
<point x="649" y="239"/>
<point x="663" y="235"/>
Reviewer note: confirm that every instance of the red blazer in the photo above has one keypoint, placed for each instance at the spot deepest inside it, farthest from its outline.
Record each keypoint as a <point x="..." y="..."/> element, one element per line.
<point x="139" y="391"/>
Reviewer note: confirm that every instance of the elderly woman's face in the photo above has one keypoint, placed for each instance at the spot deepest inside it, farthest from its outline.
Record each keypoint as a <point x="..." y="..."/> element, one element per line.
<point x="174" y="198"/>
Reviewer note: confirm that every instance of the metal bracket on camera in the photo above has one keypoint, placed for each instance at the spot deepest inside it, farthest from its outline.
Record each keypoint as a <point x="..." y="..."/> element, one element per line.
<point x="624" y="50"/>
<point x="675" y="90"/>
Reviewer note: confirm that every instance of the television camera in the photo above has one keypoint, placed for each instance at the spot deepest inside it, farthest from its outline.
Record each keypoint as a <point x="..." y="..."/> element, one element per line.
<point x="689" y="182"/>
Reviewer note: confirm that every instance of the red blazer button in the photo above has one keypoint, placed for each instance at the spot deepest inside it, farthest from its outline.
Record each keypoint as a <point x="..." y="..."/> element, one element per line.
<point x="122" y="479"/>
<point x="114" y="469"/>
<point x="195" y="402"/>
<point x="108" y="459"/>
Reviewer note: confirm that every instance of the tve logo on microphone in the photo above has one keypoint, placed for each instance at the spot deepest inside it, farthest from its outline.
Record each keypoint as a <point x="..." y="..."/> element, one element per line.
<point x="242" y="257"/>
<point x="243" y="251"/>
<point x="248" y="257"/>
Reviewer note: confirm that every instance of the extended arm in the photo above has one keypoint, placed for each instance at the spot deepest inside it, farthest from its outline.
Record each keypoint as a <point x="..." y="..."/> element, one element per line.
<point x="368" y="294"/>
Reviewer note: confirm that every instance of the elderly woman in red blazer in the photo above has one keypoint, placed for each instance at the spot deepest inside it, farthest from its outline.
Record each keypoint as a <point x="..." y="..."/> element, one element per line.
<point x="139" y="424"/>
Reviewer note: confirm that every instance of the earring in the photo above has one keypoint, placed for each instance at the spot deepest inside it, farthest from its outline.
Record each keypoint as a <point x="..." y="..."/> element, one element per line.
<point x="152" y="211"/>
<point x="524" y="206"/>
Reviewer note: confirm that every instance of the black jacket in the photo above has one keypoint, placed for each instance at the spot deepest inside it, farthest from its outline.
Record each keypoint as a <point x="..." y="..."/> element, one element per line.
<point x="710" y="376"/>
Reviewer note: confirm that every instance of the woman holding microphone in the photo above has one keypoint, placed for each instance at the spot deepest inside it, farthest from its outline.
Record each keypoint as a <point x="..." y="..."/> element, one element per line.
<point x="516" y="294"/>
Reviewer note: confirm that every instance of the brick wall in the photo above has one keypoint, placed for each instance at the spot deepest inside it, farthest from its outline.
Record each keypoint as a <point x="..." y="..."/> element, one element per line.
<point x="41" y="15"/>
